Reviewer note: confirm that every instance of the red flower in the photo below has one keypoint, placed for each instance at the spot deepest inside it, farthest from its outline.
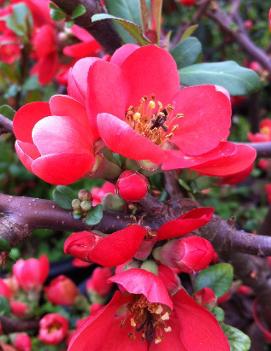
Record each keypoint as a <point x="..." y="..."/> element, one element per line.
<point x="62" y="291"/>
<point x="108" y="251"/>
<point x="31" y="273"/>
<point x="98" y="193"/>
<point x="22" y="342"/>
<point x="53" y="328"/>
<point x="132" y="186"/>
<point x="45" y="49"/>
<point x="88" y="46"/>
<point x="98" y="282"/>
<point x="53" y="136"/>
<point x="147" y="319"/>
<point x="5" y="290"/>
<point x="10" y="47"/>
<point x="19" y="308"/>
<point x="186" y="223"/>
<point x="188" y="255"/>
<point x="187" y="2"/>
<point x="137" y="108"/>
<point x="264" y="133"/>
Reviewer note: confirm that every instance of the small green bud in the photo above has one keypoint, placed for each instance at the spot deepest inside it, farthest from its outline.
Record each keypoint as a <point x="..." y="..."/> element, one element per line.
<point x="76" y="204"/>
<point x="84" y="195"/>
<point x="85" y="206"/>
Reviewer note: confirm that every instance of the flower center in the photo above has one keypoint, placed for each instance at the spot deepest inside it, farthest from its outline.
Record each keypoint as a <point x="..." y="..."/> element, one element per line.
<point x="153" y="120"/>
<point x="265" y="130"/>
<point x="149" y="319"/>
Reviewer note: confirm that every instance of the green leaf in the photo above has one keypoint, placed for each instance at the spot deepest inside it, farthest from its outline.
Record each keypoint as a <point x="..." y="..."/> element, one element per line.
<point x="80" y="10"/>
<point x="189" y="31"/>
<point x="228" y="74"/>
<point x="129" y="10"/>
<point x="20" y="20"/>
<point x="4" y="306"/>
<point x="187" y="52"/>
<point x="4" y="245"/>
<point x="95" y="215"/>
<point x="237" y="339"/>
<point x="217" y="277"/>
<point x="132" y="28"/>
<point x="7" y="111"/>
<point x="57" y="14"/>
<point x="63" y="196"/>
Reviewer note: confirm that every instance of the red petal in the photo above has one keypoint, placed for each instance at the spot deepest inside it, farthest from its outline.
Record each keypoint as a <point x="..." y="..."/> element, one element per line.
<point x="104" y="332"/>
<point x="186" y="223"/>
<point x="121" y="54"/>
<point x="139" y="281"/>
<point x="60" y="134"/>
<point x="151" y="70"/>
<point x="47" y="67"/>
<point x="64" y="105"/>
<point x="242" y="159"/>
<point x="81" y="33"/>
<point x="176" y="159"/>
<point x="121" y="138"/>
<point x="77" y="79"/>
<point x="81" y="50"/>
<point x="199" y="330"/>
<point x="56" y="169"/>
<point x="206" y="121"/>
<point x="27" y="153"/>
<point x="26" y="117"/>
<point x="112" y="250"/>
<point x="107" y="91"/>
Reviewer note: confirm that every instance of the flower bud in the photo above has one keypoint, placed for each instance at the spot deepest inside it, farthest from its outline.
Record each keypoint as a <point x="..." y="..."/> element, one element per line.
<point x="84" y="195"/>
<point x="5" y="290"/>
<point x="19" y="309"/>
<point x="206" y="297"/>
<point x="98" y="283"/>
<point x="31" y="273"/>
<point x="132" y="186"/>
<point x="53" y="328"/>
<point x="22" y="342"/>
<point x="188" y="255"/>
<point x="188" y="2"/>
<point x="85" y="205"/>
<point x="62" y="291"/>
<point x="76" y="204"/>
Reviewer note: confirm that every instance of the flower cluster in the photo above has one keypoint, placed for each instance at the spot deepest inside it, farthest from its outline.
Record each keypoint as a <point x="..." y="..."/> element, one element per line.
<point x="53" y="46"/>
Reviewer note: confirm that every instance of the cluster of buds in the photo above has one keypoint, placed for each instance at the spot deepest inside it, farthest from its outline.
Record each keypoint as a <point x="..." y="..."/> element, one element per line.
<point x="82" y="205"/>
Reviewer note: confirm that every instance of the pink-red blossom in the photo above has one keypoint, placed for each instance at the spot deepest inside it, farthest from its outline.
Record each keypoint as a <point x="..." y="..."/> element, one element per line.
<point x="31" y="273"/>
<point x="62" y="291"/>
<point x="53" y="328"/>
<point x="53" y="136"/>
<point x="132" y="186"/>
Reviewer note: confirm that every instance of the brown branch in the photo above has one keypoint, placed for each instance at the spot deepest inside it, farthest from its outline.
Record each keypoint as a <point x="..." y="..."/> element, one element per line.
<point x="241" y="37"/>
<point x="102" y="31"/>
<point x="20" y="215"/>
<point x="12" y="325"/>
<point x="5" y="125"/>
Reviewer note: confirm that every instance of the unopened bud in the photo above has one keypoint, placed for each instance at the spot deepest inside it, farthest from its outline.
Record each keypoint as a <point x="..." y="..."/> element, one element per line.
<point x="132" y="186"/>
<point x="84" y="195"/>
<point x="76" y="204"/>
<point x="85" y="206"/>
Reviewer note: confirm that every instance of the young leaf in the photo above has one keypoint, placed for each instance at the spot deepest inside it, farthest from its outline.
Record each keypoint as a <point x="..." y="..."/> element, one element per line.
<point x="95" y="215"/>
<point x="20" y="20"/>
<point x="63" y="196"/>
<point x="237" y="339"/>
<point x="80" y="10"/>
<point x="132" y="28"/>
<point x="217" y="277"/>
<point x="187" y="52"/>
<point x="189" y="31"/>
<point x="7" y="111"/>
<point x="228" y="74"/>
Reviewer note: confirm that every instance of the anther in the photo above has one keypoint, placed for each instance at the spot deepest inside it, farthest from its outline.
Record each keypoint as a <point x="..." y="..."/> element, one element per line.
<point x="152" y="105"/>
<point x="168" y="329"/>
<point x="165" y="317"/>
<point x="136" y="116"/>
<point x="133" y="323"/>
<point x="159" y="309"/>
<point x="157" y="340"/>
